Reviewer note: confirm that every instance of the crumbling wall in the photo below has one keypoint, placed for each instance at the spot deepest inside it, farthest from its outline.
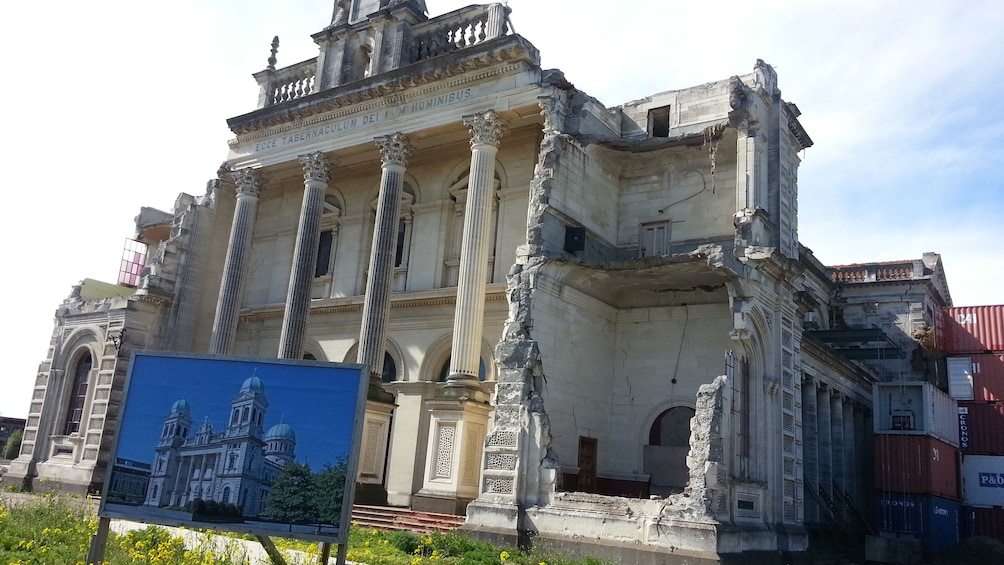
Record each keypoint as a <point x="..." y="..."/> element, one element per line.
<point x="706" y="496"/>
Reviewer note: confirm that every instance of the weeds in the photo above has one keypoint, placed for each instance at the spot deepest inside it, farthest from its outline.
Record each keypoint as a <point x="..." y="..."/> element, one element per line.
<point x="57" y="531"/>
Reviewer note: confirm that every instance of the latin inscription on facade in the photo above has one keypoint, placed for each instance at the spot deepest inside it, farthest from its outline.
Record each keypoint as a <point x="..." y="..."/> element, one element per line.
<point x="363" y="120"/>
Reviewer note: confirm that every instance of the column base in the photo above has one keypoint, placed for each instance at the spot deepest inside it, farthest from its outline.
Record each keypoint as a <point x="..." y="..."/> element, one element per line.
<point x="370" y="494"/>
<point x="440" y="503"/>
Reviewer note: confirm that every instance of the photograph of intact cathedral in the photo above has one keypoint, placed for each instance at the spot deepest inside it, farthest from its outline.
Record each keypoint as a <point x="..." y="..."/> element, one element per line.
<point x="231" y="456"/>
<point x="236" y="465"/>
<point x="577" y="318"/>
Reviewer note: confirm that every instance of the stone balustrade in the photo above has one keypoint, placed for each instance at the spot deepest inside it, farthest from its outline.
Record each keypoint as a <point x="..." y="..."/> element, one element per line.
<point x="458" y="29"/>
<point x="288" y="83"/>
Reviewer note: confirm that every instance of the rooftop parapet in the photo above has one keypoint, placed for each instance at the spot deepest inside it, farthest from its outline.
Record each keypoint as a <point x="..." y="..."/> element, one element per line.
<point x="364" y="49"/>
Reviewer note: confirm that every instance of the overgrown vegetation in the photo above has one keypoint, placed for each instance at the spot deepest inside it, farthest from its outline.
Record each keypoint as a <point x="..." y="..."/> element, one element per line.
<point x="57" y="531"/>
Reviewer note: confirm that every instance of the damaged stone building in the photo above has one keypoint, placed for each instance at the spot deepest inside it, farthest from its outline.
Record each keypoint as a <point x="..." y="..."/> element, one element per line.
<point x="582" y="323"/>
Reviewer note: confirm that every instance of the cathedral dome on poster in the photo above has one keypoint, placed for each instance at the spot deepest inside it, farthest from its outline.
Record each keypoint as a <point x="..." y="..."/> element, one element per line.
<point x="281" y="430"/>
<point x="253" y="384"/>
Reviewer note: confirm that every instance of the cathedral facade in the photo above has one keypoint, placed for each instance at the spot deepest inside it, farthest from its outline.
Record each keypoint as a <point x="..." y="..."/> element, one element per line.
<point x="577" y="318"/>
<point x="234" y="466"/>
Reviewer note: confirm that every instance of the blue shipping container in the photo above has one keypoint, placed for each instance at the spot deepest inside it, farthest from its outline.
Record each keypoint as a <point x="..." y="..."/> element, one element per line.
<point x="933" y="520"/>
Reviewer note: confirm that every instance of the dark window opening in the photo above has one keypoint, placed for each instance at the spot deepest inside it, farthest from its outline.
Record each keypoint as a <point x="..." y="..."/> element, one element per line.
<point x="658" y="122"/>
<point x="402" y="226"/>
<point x="78" y="395"/>
<point x="323" y="254"/>
<point x="389" y="373"/>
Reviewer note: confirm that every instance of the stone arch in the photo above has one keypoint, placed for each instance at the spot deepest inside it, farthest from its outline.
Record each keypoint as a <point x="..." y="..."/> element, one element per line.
<point x="439" y="352"/>
<point x="391" y="351"/>
<point x="754" y="358"/>
<point x="313" y="348"/>
<point x="78" y="344"/>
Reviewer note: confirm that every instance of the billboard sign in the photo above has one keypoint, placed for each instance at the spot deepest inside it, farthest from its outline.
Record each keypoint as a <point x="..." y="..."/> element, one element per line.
<point x="259" y="446"/>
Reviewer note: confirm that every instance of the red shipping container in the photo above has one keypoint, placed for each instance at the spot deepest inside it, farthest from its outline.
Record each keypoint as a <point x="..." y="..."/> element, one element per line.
<point x="988" y="522"/>
<point x="970" y="329"/>
<point x="988" y="377"/>
<point x="985" y="425"/>
<point x="916" y="464"/>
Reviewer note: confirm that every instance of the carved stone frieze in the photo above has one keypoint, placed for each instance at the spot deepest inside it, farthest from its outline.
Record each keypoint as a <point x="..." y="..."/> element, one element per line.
<point x="395" y="149"/>
<point x="249" y="181"/>
<point x="316" y="167"/>
<point x="486" y="127"/>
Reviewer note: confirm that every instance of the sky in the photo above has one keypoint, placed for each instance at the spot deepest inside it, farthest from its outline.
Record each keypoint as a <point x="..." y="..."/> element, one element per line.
<point x="116" y="105"/>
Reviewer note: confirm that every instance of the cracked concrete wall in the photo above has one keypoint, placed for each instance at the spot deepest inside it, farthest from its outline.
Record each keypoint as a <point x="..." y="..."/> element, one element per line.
<point x="680" y="186"/>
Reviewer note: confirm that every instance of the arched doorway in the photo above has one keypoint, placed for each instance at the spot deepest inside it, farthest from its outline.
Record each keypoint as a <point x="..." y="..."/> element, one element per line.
<point x="666" y="452"/>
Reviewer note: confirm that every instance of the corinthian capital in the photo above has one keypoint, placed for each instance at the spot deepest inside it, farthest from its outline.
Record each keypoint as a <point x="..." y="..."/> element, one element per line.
<point x="486" y="127"/>
<point x="316" y="167"/>
<point x="394" y="149"/>
<point x="249" y="181"/>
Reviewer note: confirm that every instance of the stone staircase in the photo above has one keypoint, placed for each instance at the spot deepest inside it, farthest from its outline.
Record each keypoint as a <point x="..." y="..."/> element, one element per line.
<point x="388" y="518"/>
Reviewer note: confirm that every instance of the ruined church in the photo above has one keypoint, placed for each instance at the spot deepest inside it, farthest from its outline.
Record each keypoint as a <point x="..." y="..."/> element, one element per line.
<point x="583" y="323"/>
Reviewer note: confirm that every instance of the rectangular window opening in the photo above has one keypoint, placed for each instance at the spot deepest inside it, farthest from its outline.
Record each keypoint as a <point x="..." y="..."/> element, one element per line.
<point x="658" y="122"/>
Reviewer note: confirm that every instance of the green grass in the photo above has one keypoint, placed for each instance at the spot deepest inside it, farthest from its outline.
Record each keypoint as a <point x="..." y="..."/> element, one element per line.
<point x="57" y="531"/>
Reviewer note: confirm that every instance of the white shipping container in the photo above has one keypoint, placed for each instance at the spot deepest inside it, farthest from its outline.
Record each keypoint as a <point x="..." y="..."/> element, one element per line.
<point x="983" y="480"/>
<point x="915" y="407"/>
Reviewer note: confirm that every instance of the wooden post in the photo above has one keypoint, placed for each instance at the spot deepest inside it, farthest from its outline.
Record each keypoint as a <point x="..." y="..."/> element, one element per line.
<point x="325" y="548"/>
<point x="96" y="553"/>
<point x="271" y="550"/>
<point x="343" y="550"/>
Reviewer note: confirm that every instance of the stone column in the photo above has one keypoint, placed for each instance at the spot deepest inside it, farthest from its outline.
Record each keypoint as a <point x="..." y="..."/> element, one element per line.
<point x="850" y="449"/>
<point x="316" y="172"/>
<point x="825" y="446"/>
<point x="837" y="444"/>
<point x="249" y="183"/>
<point x="810" y="445"/>
<point x="394" y="150"/>
<point x="486" y="131"/>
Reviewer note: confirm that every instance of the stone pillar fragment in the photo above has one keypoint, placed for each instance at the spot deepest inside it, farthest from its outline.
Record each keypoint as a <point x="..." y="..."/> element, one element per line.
<point x="486" y="131"/>
<point x="249" y="183"/>
<point x="316" y="173"/>
<point x="394" y="150"/>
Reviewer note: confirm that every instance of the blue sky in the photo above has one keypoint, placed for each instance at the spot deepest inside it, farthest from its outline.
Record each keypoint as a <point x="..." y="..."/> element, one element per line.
<point x="317" y="401"/>
<point x="121" y="104"/>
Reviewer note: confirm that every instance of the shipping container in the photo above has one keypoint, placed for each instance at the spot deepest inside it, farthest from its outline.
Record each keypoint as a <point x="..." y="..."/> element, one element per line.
<point x="970" y="329"/>
<point x="915" y="407"/>
<point x="933" y="520"/>
<point x="986" y="522"/>
<point x="983" y="480"/>
<point x="981" y="428"/>
<point x="916" y="465"/>
<point x="979" y="376"/>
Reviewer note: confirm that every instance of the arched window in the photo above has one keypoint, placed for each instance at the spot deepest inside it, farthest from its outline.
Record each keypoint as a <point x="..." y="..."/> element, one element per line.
<point x="226" y="495"/>
<point x="389" y="373"/>
<point x="156" y="491"/>
<point x="672" y="428"/>
<point x="444" y="371"/>
<point x="78" y="394"/>
<point x="236" y="417"/>
<point x="665" y="456"/>
<point x="245" y="415"/>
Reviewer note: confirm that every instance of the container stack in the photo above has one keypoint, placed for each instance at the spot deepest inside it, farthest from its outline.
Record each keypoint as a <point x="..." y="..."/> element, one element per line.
<point x="973" y="340"/>
<point x="916" y="457"/>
